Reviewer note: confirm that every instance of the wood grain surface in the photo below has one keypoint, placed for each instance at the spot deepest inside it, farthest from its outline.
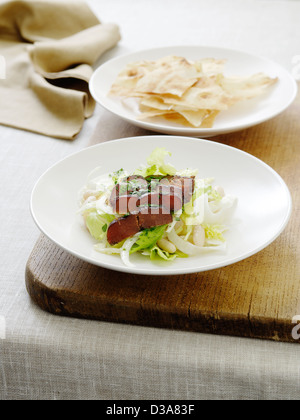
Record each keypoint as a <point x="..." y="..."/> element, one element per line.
<point x="255" y="298"/>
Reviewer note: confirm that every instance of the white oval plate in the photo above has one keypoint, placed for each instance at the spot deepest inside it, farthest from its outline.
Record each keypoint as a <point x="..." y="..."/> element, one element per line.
<point x="264" y="202"/>
<point x="241" y="116"/>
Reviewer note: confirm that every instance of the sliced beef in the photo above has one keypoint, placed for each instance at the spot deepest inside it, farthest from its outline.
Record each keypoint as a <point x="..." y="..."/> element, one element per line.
<point x="136" y="183"/>
<point x="148" y="199"/>
<point x="132" y="186"/>
<point x="149" y="203"/>
<point x="126" y="204"/>
<point x="171" y="192"/>
<point x="171" y="202"/>
<point x="125" y="227"/>
<point x="122" y="228"/>
<point x="150" y="220"/>
<point x="186" y="184"/>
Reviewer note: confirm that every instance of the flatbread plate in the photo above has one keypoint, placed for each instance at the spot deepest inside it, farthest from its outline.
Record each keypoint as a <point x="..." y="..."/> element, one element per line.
<point x="242" y="115"/>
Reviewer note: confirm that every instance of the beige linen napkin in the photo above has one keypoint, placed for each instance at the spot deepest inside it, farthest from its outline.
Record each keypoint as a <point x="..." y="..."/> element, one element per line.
<point x="48" y="49"/>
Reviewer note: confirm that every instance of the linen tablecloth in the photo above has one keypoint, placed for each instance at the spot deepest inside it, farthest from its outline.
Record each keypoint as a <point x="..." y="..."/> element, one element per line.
<point x="48" y="48"/>
<point x="46" y="357"/>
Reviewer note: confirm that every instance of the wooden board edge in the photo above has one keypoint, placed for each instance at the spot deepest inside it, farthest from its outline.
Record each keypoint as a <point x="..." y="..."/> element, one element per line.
<point x="58" y="303"/>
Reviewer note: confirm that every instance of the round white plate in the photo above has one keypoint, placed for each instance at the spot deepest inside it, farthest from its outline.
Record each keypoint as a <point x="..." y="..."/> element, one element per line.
<point x="243" y="115"/>
<point x="264" y="202"/>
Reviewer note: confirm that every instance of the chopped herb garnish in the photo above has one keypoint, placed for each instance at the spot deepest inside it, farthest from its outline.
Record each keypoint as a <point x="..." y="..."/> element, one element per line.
<point x="116" y="175"/>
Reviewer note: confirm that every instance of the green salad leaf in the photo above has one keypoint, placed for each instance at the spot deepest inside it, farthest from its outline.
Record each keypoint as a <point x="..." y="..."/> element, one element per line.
<point x="157" y="253"/>
<point x="158" y="157"/>
<point x="98" y="224"/>
<point x="148" y="238"/>
<point x="214" y="232"/>
<point x="157" y="165"/>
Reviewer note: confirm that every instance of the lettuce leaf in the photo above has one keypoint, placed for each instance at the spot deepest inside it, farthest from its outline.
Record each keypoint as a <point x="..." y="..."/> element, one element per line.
<point x="98" y="224"/>
<point x="158" y="157"/>
<point x="157" y="253"/>
<point x="214" y="232"/>
<point x="156" y="164"/>
<point x="148" y="238"/>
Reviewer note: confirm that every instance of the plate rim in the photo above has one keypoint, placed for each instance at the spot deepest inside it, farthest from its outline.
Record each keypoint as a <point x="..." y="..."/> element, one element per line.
<point x="190" y="131"/>
<point x="171" y="271"/>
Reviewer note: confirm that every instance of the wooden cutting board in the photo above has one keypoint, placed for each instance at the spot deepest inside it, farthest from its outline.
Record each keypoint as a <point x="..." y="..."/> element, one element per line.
<point x="257" y="298"/>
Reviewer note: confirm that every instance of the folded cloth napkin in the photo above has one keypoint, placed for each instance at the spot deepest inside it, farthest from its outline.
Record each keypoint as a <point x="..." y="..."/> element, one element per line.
<point x="48" y="49"/>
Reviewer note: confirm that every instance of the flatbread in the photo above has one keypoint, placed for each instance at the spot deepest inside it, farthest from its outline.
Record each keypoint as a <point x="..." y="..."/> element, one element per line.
<point x="189" y="93"/>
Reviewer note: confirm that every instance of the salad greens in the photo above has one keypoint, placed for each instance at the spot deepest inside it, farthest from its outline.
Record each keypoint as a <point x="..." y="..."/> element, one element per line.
<point x="148" y="238"/>
<point x="209" y="210"/>
<point x="97" y="224"/>
<point x="157" y="165"/>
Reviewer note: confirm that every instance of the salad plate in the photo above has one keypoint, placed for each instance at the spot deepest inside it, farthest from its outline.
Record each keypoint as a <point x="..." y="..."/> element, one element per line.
<point x="242" y="115"/>
<point x="262" y="211"/>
